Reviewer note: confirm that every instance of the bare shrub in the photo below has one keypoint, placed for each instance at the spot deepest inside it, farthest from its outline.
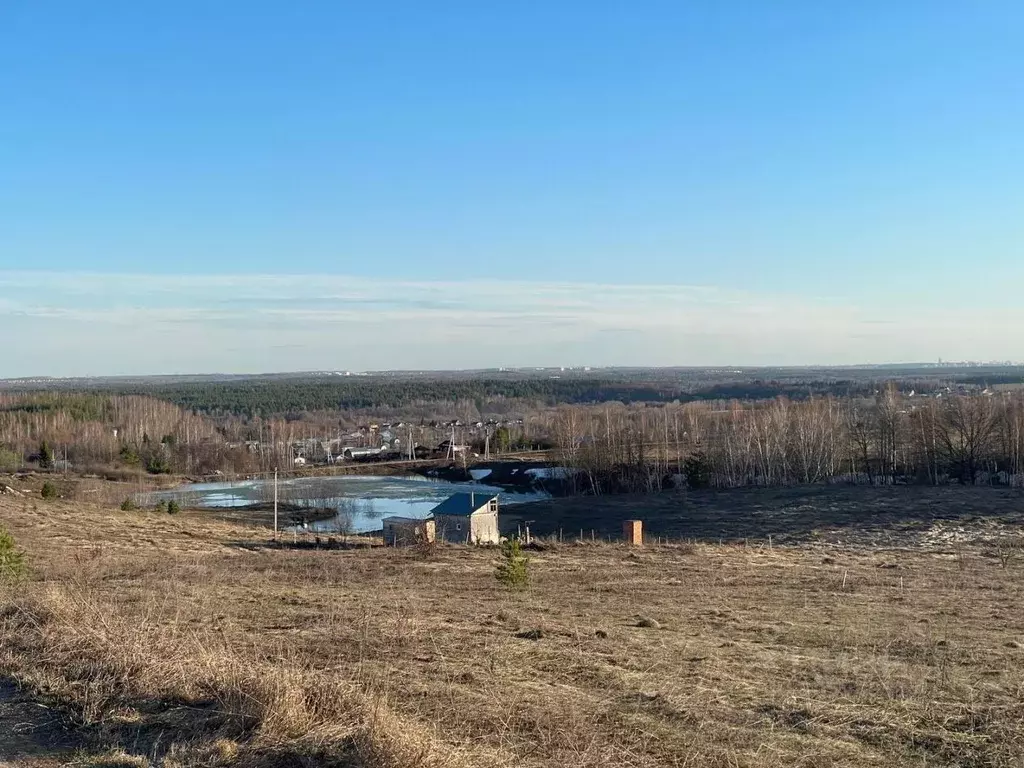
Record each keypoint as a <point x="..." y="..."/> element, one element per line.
<point x="1007" y="552"/>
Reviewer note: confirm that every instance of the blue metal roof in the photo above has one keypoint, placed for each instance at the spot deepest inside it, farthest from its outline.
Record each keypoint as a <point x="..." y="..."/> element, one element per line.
<point x="463" y="504"/>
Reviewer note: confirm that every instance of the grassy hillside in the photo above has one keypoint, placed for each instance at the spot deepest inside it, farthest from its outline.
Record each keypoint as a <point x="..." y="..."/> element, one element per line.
<point x="181" y="641"/>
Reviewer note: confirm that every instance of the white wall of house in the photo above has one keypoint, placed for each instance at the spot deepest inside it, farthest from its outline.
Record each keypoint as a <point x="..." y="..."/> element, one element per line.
<point x="484" y="528"/>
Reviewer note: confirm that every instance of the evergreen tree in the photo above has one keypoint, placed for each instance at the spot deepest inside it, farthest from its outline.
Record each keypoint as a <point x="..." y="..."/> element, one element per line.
<point x="45" y="455"/>
<point x="12" y="561"/>
<point x="512" y="568"/>
<point x="697" y="470"/>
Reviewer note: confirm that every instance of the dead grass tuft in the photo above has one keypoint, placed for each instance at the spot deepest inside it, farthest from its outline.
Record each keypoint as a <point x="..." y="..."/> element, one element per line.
<point x="115" y="758"/>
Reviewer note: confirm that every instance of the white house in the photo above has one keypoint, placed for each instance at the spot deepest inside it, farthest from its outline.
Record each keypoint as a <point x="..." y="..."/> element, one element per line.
<point x="467" y="518"/>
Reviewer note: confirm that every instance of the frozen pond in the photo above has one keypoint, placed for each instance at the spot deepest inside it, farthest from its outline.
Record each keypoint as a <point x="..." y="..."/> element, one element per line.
<point x="359" y="502"/>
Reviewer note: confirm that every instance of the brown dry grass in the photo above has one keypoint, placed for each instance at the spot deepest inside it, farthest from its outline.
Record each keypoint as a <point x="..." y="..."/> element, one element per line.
<point x="176" y="640"/>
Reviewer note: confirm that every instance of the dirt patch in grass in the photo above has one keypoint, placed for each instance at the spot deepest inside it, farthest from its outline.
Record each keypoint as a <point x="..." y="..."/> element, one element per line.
<point x="32" y="734"/>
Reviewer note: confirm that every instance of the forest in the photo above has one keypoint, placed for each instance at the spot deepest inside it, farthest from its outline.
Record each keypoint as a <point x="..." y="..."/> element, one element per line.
<point x="889" y="438"/>
<point x="290" y="396"/>
<point x="621" y="430"/>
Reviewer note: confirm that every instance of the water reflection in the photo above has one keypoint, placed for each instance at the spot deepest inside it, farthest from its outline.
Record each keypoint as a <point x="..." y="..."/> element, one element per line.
<point x="358" y="502"/>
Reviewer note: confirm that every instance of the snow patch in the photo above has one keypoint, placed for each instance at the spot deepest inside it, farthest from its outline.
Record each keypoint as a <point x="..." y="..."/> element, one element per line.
<point x="479" y="474"/>
<point x="552" y="473"/>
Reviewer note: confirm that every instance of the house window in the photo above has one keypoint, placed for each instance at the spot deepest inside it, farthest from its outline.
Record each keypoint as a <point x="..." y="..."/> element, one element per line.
<point x="494" y="505"/>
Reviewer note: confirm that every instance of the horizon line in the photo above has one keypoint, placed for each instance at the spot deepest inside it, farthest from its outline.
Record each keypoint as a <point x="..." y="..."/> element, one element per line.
<point x="739" y="368"/>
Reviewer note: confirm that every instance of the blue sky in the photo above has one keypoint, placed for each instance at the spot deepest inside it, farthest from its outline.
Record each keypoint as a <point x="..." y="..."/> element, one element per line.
<point x="316" y="185"/>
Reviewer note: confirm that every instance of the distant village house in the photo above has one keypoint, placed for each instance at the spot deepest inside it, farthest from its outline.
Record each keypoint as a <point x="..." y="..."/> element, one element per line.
<point x="465" y="518"/>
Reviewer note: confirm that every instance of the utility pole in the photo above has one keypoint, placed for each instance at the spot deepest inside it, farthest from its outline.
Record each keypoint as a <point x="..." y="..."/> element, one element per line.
<point x="275" y="503"/>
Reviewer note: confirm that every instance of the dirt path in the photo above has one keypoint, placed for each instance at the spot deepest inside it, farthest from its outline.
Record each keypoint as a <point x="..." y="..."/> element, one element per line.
<point x="31" y="734"/>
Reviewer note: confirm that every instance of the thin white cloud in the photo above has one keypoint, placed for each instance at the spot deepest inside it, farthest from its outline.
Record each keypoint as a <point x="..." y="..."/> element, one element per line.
<point x="93" y="324"/>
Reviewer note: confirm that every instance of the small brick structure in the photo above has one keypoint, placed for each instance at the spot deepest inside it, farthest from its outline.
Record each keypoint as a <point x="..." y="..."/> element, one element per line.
<point x="633" y="532"/>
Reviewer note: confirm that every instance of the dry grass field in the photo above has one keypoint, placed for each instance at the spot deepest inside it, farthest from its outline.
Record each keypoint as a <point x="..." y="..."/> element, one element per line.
<point x="180" y="641"/>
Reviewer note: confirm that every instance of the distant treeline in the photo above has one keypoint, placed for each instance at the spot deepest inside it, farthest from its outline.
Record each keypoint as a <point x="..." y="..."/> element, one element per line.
<point x="290" y="397"/>
<point x="60" y="430"/>
<point x="890" y="438"/>
<point x="629" y="429"/>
